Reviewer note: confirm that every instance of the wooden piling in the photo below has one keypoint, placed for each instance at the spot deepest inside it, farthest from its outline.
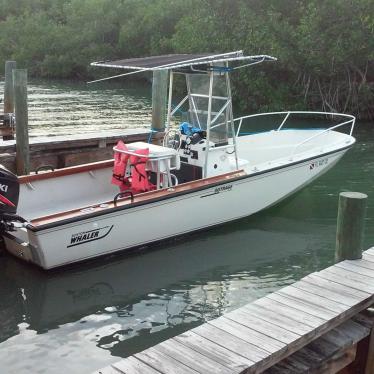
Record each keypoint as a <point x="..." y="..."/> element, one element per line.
<point x="22" y="134"/>
<point x="369" y="369"/>
<point x="350" y="226"/>
<point x="8" y="87"/>
<point x="159" y="99"/>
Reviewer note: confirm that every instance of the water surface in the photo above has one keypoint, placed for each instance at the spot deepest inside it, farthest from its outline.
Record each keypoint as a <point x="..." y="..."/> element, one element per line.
<point x="84" y="317"/>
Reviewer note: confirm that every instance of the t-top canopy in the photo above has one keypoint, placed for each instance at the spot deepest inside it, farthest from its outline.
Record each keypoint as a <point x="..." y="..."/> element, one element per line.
<point x="176" y="61"/>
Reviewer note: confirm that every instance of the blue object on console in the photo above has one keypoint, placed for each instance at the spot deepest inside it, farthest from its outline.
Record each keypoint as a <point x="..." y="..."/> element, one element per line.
<point x="188" y="129"/>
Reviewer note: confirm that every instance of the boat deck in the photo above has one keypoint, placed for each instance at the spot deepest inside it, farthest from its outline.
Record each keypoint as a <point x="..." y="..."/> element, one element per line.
<point x="309" y="323"/>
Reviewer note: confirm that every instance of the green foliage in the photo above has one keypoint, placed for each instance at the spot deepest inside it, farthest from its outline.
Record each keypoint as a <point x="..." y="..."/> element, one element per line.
<point x="325" y="48"/>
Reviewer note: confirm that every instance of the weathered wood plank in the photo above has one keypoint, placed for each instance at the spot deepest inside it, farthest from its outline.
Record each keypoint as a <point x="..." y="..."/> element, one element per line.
<point x="163" y="363"/>
<point x="214" y="351"/>
<point x="304" y="306"/>
<point x="355" y="331"/>
<point x="262" y="326"/>
<point x="327" y="293"/>
<point x="262" y="341"/>
<point x="232" y="343"/>
<point x="322" y="282"/>
<point x="350" y="266"/>
<point x="366" y="282"/>
<point x="338" y="362"/>
<point x="191" y="358"/>
<point x="131" y="365"/>
<point x="343" y="280"/>
<point x="278" y="319"/>
<point x="289" y="311"/>
<point x="313" y="299"/>
<point x="306" y="357"/>
<point x="324" y="345"/>
<point x="367" y="264"/>
<point x="322" y="353"/>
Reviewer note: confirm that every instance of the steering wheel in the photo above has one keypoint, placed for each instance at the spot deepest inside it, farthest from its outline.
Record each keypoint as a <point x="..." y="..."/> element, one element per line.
<point x="172" y="139"/>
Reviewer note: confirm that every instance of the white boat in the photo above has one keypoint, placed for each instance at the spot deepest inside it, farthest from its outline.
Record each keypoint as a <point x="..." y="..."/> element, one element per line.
<point x="206" y="173"/>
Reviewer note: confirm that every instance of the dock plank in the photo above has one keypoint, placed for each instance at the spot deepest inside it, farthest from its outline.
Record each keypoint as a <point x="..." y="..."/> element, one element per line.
<point x="131" y="365"/>
<point x="163" y="363"/>
<point x="365" y="263"/>
<point x="264" y="327"/>
<point x="356" y="268"/>
<point x="313" y="299"/>
<point x="213" y="351"/>
<point x="302" y="328"/>
<point x="304" y="306"/>
<point x="278" y="319"/>
<point x="253" y="337"/>
<point x="231" y="342"/>
<point x="289" y="311"/>
<point x="343" y="281"/>
<point x="365" y="282"/>
<point x="314" y="357"/>
<point x="327" y="292"/>
<point x="191" y="358"/>
<point x="340" y="288"/>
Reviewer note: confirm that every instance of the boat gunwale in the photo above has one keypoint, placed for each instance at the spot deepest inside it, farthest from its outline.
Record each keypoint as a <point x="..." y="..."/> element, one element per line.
<point x="125" y="206"/>
<point x="144" y="198"/>
<point x="70" y="170"/>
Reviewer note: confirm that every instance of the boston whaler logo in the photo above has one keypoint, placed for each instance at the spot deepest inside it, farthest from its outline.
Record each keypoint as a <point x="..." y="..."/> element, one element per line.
<point x="89" y="236"/>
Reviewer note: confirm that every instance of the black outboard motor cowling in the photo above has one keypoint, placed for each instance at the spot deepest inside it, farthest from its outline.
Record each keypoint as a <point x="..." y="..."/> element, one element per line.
<point x="9" y="191"/>
<point x="9" y="194"/>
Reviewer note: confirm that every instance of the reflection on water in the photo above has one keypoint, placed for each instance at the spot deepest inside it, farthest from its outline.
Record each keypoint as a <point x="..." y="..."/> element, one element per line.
<point x="120" y="305"/>
<point x="67" y="108"/>
<point x="86" y="316"/>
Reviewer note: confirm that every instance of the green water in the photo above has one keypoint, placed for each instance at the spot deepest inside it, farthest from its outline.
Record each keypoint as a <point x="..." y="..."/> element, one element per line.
<point x="82" y="318"/>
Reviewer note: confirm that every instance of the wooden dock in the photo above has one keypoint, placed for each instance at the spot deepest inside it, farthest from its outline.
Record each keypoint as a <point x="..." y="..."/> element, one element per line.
<point x="63" y="151"/>
<point x="312" y="326"/>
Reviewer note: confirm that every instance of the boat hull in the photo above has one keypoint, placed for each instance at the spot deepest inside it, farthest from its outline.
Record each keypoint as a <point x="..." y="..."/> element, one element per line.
<point x="69" y="242"/>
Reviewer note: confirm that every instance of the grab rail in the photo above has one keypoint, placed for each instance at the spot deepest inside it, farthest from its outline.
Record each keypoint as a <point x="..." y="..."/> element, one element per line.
<point x="321" y="133"/>
<point x="288" y="113"/>
<point x="351" y="121"/>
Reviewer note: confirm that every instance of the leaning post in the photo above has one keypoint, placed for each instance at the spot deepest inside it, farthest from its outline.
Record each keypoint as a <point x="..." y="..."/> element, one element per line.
<point x="8" y="87"/>
<point x="159" y="99"/>
<point x="350" y="226"/>
<point x="22" y="134"/>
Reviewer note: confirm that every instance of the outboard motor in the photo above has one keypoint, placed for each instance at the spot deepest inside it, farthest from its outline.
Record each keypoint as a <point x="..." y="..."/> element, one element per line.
<point x="9" y="194"/>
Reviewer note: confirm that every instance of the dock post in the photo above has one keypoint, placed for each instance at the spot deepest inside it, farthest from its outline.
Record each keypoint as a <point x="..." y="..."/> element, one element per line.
<point x="22" y="134"/>
<point x="350" y="226"/>
<point x="8" y="87"/>
<point x="159" y="99"/>
<point x="369" y="369"/>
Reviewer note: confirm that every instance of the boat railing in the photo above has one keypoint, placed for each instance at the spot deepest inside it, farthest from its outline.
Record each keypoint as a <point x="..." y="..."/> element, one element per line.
<point x="286" y="115"/>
